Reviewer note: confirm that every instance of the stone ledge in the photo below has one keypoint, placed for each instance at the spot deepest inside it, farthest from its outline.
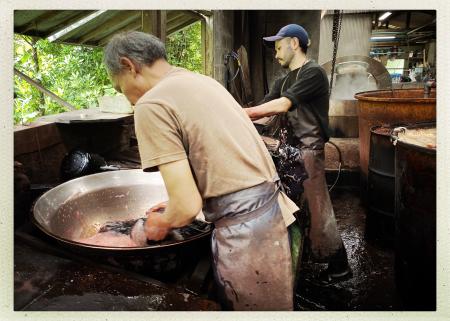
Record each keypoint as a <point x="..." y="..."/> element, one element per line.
<point x="349" y="148"/>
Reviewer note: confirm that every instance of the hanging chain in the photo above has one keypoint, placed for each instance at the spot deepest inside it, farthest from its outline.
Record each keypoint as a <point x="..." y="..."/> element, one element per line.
<point x="337" y="23"/>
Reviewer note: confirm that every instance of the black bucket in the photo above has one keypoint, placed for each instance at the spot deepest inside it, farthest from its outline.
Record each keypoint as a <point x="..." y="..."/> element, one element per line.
<point x="415" y="222"/>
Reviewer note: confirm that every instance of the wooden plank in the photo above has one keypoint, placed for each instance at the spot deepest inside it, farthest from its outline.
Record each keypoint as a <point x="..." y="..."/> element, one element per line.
<point x="207" y="13"/>
<point x="90" y="115"/>
<point x="155" y="23"/>
<point x="35" y="22"/>
<point x="135" y="25"/>
<point x="162" y="25"/>
<point x="246" y="81"/>
<point x="174" y="15"/>
<point x="180" y="24"/>
<point x="207" y="46"/>
<point x="117" y="22"/>
<point x="36" y="137"/>
<point x="193" y="14"/>
<point x="68" y="22"/>
<point x="43" y="90"/>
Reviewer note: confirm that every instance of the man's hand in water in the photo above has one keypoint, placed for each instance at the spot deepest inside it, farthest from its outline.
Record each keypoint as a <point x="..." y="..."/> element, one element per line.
<point x="160" y="207"/>
<point x="156" y="228"/>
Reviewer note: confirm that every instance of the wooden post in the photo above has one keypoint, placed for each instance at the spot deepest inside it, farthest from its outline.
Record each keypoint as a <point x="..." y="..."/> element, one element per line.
<point x="155" y="23"/>
<point x="207" y="46"/>
<point x="408" y="20"/>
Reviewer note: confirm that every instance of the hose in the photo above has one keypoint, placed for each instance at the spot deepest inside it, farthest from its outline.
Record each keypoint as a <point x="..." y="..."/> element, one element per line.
<point x="340" y="165"/>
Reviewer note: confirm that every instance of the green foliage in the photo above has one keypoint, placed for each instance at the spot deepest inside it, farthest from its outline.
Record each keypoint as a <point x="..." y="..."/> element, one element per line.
<point x="74" y="73"/>
<point x="77" y="74"/>
<point x="184" y="48"/>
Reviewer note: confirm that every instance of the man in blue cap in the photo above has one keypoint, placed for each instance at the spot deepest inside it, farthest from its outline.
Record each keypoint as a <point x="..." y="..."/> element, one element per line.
<point x="301" y="100"/>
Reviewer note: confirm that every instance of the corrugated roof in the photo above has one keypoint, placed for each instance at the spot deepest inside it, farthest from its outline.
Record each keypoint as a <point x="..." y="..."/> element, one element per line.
<point x="96" y="32"/>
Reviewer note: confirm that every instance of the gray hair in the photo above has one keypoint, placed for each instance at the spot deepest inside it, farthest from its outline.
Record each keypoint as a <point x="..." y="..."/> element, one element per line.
<point x="141" y="48"/>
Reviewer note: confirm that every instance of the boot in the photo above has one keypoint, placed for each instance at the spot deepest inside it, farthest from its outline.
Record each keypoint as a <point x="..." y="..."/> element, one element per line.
<point x="338" y="268"/>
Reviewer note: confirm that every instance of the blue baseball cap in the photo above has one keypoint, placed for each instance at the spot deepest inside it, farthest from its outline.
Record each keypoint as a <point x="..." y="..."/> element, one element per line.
<point x="291" y="30"/>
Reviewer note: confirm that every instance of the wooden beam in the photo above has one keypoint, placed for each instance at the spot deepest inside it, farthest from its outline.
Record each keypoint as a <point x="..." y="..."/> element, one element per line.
<point x="421" y="27"/>
<point x="68" y="22"/>
<point x="155" y="23"/>
<point x="207" y="46"/>
<point x="174" y="15"/>
<point x="44" y="90"/>
<point x="180" y="24"/>
<point x="207" y="13"/>
<point x="119" y="20"/>
<point x="408" y="20"/>
<point x="194" y="14"/>
<point x="162" y="24"/>
<point x="34" y="23"/>
<point x="135" y="25"/>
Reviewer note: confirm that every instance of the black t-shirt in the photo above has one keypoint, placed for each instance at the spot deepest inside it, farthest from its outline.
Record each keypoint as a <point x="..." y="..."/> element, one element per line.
<point x="307" y="89"/>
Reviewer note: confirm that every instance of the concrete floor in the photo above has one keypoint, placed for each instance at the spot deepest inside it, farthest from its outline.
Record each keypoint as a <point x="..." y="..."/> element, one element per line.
<point x="372" y="287"/>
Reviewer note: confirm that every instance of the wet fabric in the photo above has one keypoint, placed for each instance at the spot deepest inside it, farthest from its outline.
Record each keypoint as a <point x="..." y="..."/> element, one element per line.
<point x="290" y="167"/>
<point x="251" y="252"/>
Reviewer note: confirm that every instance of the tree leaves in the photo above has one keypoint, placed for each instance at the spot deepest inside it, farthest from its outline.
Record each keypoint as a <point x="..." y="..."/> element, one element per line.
<point x="77" y="74"/>
<point x="184" y="48"/>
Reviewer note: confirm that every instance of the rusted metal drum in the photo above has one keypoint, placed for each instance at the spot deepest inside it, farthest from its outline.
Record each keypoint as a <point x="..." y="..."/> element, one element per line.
<point x="381" y="184"/>
<point x="415" y="217"/>
<point x="389" y="107"/>
<point x="343" y="118"/>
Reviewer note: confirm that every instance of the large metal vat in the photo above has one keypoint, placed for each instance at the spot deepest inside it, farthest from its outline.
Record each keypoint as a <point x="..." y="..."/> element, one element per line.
<point x="343" y="118"/>
<point x="352" y="74"/>
<point x="415" y="220"/>
<point x="389" y="107"/>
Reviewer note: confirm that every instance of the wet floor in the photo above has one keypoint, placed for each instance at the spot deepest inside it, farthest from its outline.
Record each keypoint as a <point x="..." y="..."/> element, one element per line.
<point x="372" y="287"/>
<point x="44" y="281"/>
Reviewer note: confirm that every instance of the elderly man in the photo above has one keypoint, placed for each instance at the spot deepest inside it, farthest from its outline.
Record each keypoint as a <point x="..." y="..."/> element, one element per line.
<point x="209" y="155"/>
<point x="301" y="100"/>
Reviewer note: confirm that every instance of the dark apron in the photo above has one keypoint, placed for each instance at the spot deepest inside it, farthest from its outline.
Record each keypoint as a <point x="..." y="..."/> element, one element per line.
<point x="323" y="234"/>
<point x="250" y="247"/>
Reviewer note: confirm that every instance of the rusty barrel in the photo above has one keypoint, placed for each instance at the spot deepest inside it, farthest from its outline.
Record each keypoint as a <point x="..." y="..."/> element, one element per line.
<point x="381" y="184"/>
<point x="389" y="107"/>
<point x="415" y="216"/>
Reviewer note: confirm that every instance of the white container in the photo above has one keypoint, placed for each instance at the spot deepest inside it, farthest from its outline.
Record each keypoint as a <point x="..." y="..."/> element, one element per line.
<point x="115" y="104"/>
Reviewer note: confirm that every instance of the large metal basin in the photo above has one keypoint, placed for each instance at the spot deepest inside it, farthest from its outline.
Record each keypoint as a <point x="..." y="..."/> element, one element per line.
<point x="77" y="208"/>
<point x="390" y="107"/>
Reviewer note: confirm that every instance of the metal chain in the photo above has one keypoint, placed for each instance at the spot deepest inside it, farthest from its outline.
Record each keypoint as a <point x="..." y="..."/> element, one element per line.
<point x="337" y="23"/>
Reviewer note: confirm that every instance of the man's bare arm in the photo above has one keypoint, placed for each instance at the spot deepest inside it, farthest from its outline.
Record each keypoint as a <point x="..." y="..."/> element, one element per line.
<point x="273" y="107"/>
<point x="185" y="201"/>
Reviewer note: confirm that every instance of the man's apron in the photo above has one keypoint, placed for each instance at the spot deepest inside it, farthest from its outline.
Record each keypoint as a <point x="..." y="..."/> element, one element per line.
<point x="324" y="235"/>
<point x="250" y="247"/>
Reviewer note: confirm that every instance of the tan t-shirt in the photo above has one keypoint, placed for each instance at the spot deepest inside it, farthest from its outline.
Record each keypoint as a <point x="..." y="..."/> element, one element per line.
<point x="188" y="115"/>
